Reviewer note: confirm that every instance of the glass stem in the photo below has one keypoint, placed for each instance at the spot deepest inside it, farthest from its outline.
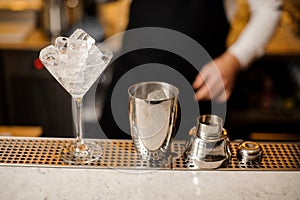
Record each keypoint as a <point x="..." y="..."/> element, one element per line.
<point x="78" y="124"/>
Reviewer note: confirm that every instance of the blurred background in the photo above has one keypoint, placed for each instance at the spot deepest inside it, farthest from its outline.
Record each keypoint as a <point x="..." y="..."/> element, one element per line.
<point x="265" y="104"/>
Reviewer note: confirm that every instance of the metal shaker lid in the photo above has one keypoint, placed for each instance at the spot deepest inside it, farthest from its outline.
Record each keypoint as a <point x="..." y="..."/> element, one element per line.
<point x="249" y="152"/>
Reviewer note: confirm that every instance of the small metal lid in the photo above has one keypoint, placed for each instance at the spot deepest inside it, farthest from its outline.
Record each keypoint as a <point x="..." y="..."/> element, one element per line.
<point x="249" y="152"/>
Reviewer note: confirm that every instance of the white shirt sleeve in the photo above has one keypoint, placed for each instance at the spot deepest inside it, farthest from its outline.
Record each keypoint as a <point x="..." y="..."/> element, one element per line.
<point x="251" y="43"/>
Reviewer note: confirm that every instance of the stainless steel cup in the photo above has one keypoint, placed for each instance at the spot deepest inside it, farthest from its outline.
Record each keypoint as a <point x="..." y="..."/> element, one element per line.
<point x="152" y="115"/>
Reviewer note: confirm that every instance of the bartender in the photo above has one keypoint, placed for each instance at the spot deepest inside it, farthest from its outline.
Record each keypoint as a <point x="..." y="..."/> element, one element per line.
<point x="208" y="23"/>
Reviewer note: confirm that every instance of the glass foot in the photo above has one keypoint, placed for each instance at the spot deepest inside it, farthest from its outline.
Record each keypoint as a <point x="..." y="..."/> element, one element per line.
<point x="87" y="153"/>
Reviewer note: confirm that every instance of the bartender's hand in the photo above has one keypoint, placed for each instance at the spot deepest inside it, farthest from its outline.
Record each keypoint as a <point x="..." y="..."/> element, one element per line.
<point x="216" y="79"/>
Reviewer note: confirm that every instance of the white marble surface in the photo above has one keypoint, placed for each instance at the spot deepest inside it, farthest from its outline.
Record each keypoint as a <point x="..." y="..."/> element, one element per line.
<point x="74" y="183"/>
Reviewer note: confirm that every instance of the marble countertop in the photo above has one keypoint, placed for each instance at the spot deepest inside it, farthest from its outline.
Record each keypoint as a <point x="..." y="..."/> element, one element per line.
<point x="75" y="183"/>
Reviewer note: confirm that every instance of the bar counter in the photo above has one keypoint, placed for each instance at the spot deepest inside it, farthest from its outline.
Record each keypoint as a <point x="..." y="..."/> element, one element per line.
<point x="31" y="168"/>
<point x="72" y="183"/>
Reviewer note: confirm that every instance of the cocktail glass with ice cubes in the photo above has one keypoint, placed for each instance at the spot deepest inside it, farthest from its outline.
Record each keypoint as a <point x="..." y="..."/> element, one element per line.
<point x="76" y="63"/>
<point x="152" y="114"/>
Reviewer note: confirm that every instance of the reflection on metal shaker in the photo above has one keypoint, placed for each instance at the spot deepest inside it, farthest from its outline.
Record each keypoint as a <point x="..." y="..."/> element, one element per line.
<point x="152" y="114"/>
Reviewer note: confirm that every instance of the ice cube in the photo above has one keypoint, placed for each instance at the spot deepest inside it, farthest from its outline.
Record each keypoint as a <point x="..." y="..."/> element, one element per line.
<point x="94" y="57"/>
<point x="77" y="46"/>
<point x="80" y="34"/>
<point x="61" y="43"/>
<point x="69" y="56"/>
<point x="50" y="56"/>
<point x="156" y="95"/>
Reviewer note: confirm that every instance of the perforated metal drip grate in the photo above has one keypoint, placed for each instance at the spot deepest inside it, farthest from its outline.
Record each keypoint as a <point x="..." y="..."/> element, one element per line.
<point x="275" y="156"/>
<point x="121" y="154"/>
<point x="37" y="151"/>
